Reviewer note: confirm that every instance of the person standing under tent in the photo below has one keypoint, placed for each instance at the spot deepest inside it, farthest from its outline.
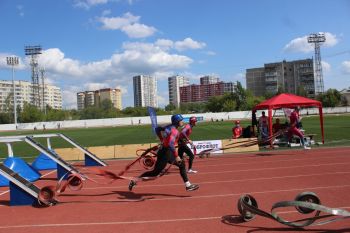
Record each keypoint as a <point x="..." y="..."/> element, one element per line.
<point x="183" y="140"/>
<point x="293" y="128"/>
<point x="237" y="130"/>
<point x="167" y="153"/>
<point x="264" y="126"/>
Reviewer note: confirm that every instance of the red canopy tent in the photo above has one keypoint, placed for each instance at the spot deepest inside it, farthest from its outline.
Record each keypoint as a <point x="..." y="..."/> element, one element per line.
<point x="286" y="100"/>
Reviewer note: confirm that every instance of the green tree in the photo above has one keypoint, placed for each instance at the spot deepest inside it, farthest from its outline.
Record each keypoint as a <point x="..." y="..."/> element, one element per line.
<point x="229" y="105"/>
<point x="331" y="98"/>
<point x="106" y="105"/>
<point x="170" y="107"/>
<point x="30" y="113"/>
<point x="240" y="97"/>
<point x="215" y="104"/>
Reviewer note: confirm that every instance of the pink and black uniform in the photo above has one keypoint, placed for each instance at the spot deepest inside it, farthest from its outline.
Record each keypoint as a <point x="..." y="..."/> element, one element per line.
<point x="169" y="136"/>
<point x="167" y="153"/>
<point x="183" y="148"/>
<point x="293" y="129"/>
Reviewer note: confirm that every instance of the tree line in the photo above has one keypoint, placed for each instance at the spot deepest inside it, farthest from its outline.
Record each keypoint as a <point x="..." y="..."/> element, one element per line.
<point x="240" y="100"/>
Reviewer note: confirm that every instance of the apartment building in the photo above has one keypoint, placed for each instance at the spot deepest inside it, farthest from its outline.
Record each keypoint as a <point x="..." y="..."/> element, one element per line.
<point x="145" y="91"/>
<point x="292" y="77"/>
<point x="174" y="84"/>
<point x="49" y="94"/>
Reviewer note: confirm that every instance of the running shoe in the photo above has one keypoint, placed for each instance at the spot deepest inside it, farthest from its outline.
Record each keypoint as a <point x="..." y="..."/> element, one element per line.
<point x="132" y="184"/>
<point x="192" y="187"/>
<point x="192" y="171"/>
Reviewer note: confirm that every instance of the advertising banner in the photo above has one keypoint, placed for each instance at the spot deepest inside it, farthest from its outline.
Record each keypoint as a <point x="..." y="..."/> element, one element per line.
<point x="205" y="145"/>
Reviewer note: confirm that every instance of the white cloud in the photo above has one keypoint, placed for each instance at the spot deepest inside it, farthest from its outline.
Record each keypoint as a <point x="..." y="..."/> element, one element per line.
<point x="164" y="44"/>
<point x="185" y="44"/>
<point x="163" y="99"/>
<point x="54" y="60"/>
<point x="118" y="70"/>
<point x="346" y="67"/>
<point x="137" y="30"/>
<point x="69" y="96"/>
<point x="188" y="43"/>
<point x="95" y="86"/>
<point x="326" y="67"/>
<point x="86" y="4"/>
<point x="115" y="23"/>
<point x="128" y="24"/>
<point x="301" y="44"/>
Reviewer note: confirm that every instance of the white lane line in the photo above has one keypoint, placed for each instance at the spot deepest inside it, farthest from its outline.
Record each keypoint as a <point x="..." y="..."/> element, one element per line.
<point x="269" y="161"/>
<point x="251" y="193"/>
<point x="228" y="181"/>
<point x="261" y="169"/>
<point x="110" y="223"/>
<point x="120" y="222"/>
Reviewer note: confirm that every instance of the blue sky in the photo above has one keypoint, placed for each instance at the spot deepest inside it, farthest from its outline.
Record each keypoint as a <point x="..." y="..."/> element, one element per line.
<point x="92" y="44"/>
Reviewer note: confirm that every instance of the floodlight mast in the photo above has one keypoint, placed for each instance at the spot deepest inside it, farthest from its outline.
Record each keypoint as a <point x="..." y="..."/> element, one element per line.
<point x="13" y="61"/>
<point x="33" y="52"/>
<point x="317" y="39"/>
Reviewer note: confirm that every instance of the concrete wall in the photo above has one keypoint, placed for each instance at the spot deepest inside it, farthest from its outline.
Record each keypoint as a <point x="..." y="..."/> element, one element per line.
<point x="161" y="119"/>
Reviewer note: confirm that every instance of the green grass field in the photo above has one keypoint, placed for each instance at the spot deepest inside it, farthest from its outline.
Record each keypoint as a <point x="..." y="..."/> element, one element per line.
<point x="336" y="134"/>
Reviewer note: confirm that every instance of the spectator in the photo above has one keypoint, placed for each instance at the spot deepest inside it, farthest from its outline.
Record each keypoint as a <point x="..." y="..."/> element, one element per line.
<point x="248" y="132"/>
<point x="264" y="126"/>
<point x="277" y="126"/>
<point x="237" y="130"/>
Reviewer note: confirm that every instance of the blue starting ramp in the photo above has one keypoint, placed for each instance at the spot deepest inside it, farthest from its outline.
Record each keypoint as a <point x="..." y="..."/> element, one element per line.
<point x="22" y="191"/>
<point x="68" y="169"/>
<point x="90" y="158"/>
<point x="64" y="168"/>
<point x="43" y="162"/>
<point x="22" y="168"/>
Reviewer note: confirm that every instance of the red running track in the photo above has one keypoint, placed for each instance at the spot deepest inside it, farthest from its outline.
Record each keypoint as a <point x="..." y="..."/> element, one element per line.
<point x="163" y="205"/>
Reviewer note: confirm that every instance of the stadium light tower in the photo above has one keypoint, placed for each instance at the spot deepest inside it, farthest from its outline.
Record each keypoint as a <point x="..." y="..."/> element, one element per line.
<point x="317" y="39"/>
<point x="13" y="61"/>
<point x="33" y="52"/>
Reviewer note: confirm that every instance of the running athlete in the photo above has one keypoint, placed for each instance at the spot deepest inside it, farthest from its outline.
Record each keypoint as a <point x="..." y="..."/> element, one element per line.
<point x="237" y="130"/>
<point x="183" y="140"/>
<point x="167" y="153"/>
<point x="293" y="129"/>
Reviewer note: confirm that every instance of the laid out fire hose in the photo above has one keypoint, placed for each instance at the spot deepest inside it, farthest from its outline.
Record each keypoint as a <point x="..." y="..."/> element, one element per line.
<point x="305" y="203"/>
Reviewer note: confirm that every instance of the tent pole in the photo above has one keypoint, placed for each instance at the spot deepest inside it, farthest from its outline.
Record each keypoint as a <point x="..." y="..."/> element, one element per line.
<point x="321" y="122"/>
<point x="270" y="126"/>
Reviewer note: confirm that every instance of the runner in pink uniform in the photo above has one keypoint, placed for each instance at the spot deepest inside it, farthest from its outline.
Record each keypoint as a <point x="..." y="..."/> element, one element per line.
<point x="294" y="119"/>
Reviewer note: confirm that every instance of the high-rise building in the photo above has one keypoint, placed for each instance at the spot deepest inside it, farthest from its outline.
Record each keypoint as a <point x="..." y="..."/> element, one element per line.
<point x="174" y="84"/>
<point x="111" y="94"/>
<point x="203" y="92"/>
<point x="209" y="79"/>
<point x="23" y="91"/>
<point x="94" y="98"/>
<point x="145" y="91"/>
<point x="295" y="77"/>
